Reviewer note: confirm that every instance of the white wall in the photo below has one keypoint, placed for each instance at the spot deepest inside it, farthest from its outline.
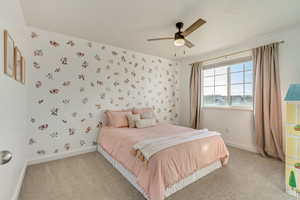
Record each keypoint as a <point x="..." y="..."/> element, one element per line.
<point x="237" y="125"/>
<point x="13" y="134"/>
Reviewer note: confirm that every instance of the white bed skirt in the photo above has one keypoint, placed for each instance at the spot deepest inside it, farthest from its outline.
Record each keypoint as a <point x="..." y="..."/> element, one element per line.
<point x="170" y="190"/>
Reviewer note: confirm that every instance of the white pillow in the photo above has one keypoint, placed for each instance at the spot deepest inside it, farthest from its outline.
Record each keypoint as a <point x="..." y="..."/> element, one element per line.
<point x="132" y="119"/>
<point x="144" y="123"/>
<point x="147" y="115"/>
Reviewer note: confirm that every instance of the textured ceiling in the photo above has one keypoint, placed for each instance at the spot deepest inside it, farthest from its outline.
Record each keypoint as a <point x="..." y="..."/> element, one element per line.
<point x="127" y="24"/>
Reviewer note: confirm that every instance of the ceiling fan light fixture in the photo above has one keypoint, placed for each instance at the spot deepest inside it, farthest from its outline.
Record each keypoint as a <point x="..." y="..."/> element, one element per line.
<point x="179" y="42"/>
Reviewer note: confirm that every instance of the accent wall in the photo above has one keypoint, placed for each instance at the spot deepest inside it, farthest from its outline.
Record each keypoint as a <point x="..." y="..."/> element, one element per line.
<point x="72" y="81"/>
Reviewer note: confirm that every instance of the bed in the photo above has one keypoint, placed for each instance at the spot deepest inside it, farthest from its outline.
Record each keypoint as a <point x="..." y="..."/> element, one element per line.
<point x="170" y="169"/>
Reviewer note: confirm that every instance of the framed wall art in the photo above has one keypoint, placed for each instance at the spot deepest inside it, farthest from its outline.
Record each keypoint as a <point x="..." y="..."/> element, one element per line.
<point x="18" y="64"/>
<point x="9" y="45"/>
<point x="23" y="70"/>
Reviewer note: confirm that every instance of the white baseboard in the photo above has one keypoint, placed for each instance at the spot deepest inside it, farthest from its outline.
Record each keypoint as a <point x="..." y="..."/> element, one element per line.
<point x="20" y="183"/>
<point x="243" y="147"/>
<point x="65" y="154"/>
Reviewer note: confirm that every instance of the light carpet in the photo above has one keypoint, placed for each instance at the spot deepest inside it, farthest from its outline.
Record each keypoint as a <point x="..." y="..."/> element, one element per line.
<point x="248" y="176"/>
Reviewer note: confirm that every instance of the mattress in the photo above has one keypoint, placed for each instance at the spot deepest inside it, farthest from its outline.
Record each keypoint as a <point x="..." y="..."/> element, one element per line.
<point x="170" y="190"/>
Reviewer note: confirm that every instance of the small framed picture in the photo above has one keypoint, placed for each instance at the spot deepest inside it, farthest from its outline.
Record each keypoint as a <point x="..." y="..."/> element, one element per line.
<point x="18" y="64"/>
<point x="23" y="70"/>
<point x="9" y="45"/>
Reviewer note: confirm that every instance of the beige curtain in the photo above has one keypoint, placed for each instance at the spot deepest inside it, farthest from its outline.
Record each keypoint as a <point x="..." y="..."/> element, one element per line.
<point x="267" y="112"/>
<point x="195" y="92"/>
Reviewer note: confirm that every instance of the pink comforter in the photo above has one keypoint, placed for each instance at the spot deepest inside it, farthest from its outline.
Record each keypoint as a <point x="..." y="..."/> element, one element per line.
<point x="168" y="166"/>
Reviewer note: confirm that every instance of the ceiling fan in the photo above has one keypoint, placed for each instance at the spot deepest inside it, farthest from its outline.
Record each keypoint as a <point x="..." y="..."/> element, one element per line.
<point x="179" y="37"/>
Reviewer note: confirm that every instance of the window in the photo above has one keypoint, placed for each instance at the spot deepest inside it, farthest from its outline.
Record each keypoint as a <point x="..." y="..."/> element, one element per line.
<point x="228" y="85"/>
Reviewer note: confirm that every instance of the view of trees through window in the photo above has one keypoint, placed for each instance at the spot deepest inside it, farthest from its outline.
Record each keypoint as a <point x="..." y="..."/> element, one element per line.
<point x="230" y="85"/>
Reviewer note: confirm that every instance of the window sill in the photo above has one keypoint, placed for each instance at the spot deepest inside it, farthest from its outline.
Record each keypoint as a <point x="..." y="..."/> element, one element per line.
<point x="249" y="109"/>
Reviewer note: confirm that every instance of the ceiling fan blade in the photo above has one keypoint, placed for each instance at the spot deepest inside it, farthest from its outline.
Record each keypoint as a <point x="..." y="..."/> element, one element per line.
<point x="193" y="27"/>
<point x="163" y="38"/>
<point x="188" y="43"/>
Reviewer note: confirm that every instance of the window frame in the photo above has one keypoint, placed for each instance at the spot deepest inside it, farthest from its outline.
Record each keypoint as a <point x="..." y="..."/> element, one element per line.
<point x="228" y="73"/>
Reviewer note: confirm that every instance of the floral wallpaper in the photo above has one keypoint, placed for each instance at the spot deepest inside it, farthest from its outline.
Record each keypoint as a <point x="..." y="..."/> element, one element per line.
<point x="72" y="81"/>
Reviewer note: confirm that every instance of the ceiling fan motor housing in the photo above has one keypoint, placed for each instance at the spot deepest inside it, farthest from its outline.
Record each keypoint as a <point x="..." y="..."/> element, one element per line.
<point x="178" y="36"/>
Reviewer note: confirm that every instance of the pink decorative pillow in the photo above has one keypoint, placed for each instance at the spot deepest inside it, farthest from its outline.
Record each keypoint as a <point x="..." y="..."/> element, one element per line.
<point x="118" y="118"/>
<point x="141" y="110"/>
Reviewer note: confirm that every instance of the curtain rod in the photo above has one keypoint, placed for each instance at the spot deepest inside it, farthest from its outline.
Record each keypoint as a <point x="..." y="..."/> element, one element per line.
<point x="231" y="54"/>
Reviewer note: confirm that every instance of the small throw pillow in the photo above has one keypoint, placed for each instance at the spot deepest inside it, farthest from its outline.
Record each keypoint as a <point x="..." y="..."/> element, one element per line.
<point x="144" y="123"/>
<point x="118" y="118"/>
<point x="132" y="119"/>
<point x="147" y="115"/>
